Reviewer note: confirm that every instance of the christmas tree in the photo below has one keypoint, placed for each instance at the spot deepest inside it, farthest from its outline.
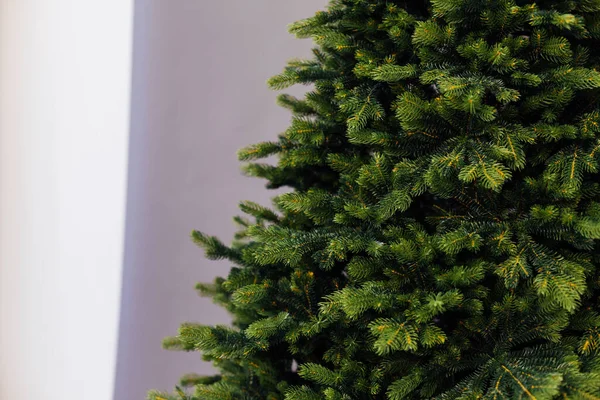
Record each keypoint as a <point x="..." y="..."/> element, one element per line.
<point x="441" y="235"/>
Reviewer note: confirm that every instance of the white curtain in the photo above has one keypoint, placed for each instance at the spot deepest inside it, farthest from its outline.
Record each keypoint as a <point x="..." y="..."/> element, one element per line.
<point x="64" y="103"/>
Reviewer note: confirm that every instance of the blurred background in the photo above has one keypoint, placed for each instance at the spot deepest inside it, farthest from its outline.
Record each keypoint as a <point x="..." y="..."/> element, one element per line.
<point x="119" y="126"/>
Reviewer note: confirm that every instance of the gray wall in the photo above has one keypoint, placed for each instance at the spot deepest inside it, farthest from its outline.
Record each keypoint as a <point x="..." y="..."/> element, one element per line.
<point x="199" y="94"/>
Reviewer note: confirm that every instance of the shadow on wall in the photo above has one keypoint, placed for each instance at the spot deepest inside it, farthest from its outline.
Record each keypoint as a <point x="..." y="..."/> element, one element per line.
<point x="199" y="94"/>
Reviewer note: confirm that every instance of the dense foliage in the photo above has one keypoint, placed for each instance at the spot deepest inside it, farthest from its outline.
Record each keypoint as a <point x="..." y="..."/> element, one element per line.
<point x="441" y="236"/>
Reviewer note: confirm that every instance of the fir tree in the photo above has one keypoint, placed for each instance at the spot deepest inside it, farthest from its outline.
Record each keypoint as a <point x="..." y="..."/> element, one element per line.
<point x="441" y="239"/>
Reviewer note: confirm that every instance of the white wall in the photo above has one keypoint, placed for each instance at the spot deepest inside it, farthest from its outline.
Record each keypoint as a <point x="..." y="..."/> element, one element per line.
<point x="64" y="100"/>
